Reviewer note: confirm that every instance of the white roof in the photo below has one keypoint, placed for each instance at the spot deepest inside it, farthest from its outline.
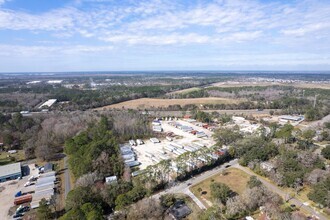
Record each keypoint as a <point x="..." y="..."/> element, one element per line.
<point x="48" y="103"/>
<point x="110" y="179"/>
<point x="10" y="169"/>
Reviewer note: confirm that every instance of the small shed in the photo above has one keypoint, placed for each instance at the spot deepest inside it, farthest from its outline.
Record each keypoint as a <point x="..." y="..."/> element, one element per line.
<point x="111" y="179"/>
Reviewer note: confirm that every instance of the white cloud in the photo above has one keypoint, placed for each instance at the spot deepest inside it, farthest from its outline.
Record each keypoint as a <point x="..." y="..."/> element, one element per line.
<point x="144" y="21"/>
<point x="19" y="50"/>
<point x="312" y="28"/>
<point x="3" y="1"/>
<point x="158" y="39"/>
<point x="160" y="25"/>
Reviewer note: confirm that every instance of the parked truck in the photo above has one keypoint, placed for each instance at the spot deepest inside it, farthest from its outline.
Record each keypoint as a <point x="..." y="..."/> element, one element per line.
<point x="23" y="199"/>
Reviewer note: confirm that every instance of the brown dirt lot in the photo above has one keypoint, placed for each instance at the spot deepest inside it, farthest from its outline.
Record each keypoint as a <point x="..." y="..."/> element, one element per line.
<point x="155" y="103"/>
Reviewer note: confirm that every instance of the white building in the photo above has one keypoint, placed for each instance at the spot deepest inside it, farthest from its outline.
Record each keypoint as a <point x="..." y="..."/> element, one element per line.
<point x="267" y="166"/>
<point x="111" y="179"/>
<point x="48" y="103"/>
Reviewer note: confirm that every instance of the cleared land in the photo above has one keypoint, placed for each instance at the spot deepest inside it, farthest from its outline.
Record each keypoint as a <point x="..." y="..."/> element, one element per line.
<point x="234" y="178"/>
<point x="7" y="158"/>
<point x="156" y="103"/>
<point x="298" y="85"/>
<point x="183" y="91"/>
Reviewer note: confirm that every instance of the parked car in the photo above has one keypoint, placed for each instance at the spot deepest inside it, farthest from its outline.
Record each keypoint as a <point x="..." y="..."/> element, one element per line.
<point x="23" y="209"/>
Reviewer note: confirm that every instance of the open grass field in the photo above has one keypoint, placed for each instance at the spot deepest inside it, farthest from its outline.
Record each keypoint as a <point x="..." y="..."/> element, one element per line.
<point x="297" y="85"/>
<point x="234" y="178"/>
<point x="6" y="158"/>
<point x="147" y="103"/>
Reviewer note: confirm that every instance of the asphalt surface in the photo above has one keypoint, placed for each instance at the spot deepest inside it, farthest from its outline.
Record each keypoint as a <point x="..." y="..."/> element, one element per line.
<point x="67" y="178"/>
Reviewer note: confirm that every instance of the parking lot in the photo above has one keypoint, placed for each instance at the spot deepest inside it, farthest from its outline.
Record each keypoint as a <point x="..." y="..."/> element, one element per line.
<point x="151" y="153"/>
<point x="10" y="188"/>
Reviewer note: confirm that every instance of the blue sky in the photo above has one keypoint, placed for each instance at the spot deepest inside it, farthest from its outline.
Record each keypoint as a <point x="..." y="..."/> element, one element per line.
<point x="110" y="35"/>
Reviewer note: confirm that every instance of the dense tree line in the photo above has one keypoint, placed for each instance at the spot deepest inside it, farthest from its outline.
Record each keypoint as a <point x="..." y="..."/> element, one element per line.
<point x="287" y="98"/>
<point x="95" y="150"/>
<point x="44" y="135"/>
<point x="253" y="148"/>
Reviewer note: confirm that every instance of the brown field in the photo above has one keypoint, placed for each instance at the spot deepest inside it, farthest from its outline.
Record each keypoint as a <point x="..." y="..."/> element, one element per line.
<point x="298" y="85"/>
<point x="234" y="178"/>
<point x="183" y="91"/>
<point x="146" y="103"/>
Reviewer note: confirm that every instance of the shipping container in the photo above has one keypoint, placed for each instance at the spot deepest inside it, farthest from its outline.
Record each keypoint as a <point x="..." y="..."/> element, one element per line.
<point x="23" y="199"/>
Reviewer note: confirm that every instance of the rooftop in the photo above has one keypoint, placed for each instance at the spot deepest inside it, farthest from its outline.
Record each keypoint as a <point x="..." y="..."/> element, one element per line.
<point x="9" y="169"/>
<point x="180" y="210"/>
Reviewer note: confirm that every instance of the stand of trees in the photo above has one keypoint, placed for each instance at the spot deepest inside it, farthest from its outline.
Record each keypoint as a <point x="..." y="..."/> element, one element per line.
<point x="95" y="150"/>
<point x="229" y="205"/>
<point x="252" y="148"/>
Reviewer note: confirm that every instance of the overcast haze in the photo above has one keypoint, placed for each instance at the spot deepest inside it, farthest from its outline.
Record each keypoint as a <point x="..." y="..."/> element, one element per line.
<point x="86" y="35"/>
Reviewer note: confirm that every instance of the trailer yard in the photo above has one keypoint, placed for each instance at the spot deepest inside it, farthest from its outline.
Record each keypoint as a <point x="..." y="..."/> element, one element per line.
<point x="26" y="191"/>
<point x="179" y="139"/>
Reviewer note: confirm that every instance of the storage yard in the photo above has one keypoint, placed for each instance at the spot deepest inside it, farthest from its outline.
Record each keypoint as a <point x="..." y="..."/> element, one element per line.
<point x="182" y="136"/>
<point x="27" y="191"/>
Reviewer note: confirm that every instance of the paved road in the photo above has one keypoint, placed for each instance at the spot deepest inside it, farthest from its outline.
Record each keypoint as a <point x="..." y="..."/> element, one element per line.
<point x="300" y="204"/>
<point x="67" y="177"/>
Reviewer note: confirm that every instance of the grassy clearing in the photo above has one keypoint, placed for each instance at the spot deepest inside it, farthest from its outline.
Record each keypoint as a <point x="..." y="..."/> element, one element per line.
<point x="234" y="178"/>
<point x="147" y="103"/>
<point x="6" y="158"/>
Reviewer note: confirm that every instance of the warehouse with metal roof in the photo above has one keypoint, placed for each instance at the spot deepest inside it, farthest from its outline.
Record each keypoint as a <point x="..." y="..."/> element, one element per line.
<point x="10" y="172"/>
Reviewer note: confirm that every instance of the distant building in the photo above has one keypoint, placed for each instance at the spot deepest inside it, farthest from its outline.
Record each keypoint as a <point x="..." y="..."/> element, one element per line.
<point x="291" y="118"/>
<point x="48" y="103"/>
<point x="294" y="120"/>
<point x="10" y="172"/>
<point x="54" y="81"/>
<point x="267" y="166"/>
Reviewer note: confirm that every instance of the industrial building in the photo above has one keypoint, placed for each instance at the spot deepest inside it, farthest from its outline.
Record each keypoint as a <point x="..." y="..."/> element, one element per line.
<point x="48" y="103"/>
<point x="10" y="172"/>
